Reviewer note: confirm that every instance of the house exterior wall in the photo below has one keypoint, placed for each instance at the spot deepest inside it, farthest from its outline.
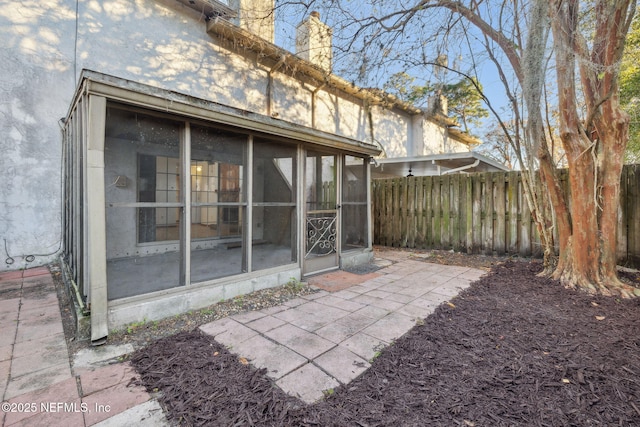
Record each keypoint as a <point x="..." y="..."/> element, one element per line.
<point x="433" y="139"/>
<point x="156" y="42"/>
<point x="37" y="82"/>
<point x="392" y="131"/>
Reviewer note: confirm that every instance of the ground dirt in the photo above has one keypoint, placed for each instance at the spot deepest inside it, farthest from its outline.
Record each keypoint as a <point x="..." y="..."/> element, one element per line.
<point x="514" y="349"/>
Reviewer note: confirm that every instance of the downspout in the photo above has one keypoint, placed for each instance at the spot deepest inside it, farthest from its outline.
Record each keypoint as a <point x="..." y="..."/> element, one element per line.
<point x="313" y="104"/>
<point x="270" y="83"/>
<point x="461" y="168"/>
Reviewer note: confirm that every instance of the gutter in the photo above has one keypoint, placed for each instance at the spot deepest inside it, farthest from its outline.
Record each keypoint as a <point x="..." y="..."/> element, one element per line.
<point x="462" y="168"/>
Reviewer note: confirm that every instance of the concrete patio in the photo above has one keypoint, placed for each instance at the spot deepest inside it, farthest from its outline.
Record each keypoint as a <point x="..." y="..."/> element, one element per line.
<point x="314" y="343"/>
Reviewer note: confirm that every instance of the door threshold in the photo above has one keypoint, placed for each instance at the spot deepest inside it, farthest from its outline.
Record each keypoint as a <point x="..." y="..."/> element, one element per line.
<point x="315" y="273"/>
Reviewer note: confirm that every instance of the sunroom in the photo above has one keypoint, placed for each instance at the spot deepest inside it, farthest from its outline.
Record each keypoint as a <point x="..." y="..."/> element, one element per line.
<point x="173" y="203"/>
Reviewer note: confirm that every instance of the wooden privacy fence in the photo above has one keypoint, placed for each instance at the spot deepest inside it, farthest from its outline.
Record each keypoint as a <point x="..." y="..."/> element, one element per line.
<point x="481" y="213"/>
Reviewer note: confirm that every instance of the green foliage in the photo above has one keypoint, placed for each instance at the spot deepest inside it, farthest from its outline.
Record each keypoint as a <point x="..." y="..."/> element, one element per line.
<point x="294" y="285"/>
<point x="464" y="98"/>
<point x="328" y="392"/>
<point x="630" y="88"/>
<point x="135" y="325"/>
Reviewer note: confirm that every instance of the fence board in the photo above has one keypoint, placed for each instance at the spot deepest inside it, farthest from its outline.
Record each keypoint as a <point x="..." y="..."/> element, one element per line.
<point x="437" y="213"/>
<point x="476" y="225"/>
<point x="488" y="215"/>
<point x="456" y="208"/>
<point x="469" y="214"/>
<point x="499" y="232"/>
<point x="388" y="220"/>
<point x="525" y="225"/>
<point x="428" y="205"/>
<point x="633" y="197"/>
<point x="621" y="239"/>
<point x="419" y="191"/>
<point x="512" y="206"/>
<point x="410" y="215"/>
<point x="395" y="214"/>
<point x="403" y="214"/>
<point x="445" y="194"/>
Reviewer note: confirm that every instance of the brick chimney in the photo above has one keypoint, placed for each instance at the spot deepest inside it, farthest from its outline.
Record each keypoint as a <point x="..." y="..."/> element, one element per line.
<point x="256" y="16"/>
<point x="313" y="41"/>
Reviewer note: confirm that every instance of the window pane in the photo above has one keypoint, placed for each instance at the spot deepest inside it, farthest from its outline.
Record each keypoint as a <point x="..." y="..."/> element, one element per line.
<point x="274" y="172"/>
<point x="141" y="155"/>
<point x="217" y="195"/>
<point x="354" y="203"/>
<point x="320" y="186"/>
<point x="274" y="239"/>
<point x="274" y="189"/>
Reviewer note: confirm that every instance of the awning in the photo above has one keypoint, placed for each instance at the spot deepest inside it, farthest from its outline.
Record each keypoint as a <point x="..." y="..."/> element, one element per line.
<point x="435" y="164"/>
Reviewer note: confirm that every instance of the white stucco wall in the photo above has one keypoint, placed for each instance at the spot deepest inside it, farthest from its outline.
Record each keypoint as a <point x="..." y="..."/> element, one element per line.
<point x="434" y="139"/>
<point x="453" y="146"/>
<point x="36" y="84"/>
<point x="351" y="118"/>
<point x="393" y="131"/>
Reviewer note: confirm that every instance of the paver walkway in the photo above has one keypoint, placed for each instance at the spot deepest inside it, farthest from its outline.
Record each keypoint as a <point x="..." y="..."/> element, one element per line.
<point x="314" y="343"/>
<point x="38" y="385"/>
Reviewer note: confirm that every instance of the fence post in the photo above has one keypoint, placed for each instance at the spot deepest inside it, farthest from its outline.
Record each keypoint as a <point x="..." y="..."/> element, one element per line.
<point x="500" y="229"/>
<point x="512" y="195"/>
<point x="420" y="241"/>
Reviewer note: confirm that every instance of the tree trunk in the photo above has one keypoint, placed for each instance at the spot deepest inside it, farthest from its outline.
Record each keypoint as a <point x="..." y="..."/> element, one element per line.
<point x="616" y="132"/>
<point x="594" y="147"/>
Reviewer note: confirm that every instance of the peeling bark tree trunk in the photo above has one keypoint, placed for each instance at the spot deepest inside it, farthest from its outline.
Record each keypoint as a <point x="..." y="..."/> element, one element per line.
<point x="594" y="144"/>
<point x="594" y="147"/>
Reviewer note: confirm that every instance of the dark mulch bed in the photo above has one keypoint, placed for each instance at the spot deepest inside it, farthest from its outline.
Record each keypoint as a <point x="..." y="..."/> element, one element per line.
<point x="515" y="349"/>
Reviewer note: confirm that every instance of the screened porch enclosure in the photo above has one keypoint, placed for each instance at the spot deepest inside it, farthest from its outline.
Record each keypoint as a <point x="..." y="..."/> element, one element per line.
<point x="147" y="201"/>
<point x="167" y="211"/>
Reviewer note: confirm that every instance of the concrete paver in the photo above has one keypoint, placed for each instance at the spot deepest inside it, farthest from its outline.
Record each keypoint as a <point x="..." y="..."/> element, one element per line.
<point x="390" y="327"/>
<point x="264" y="353"/>
<point x="266" y="323"/>
<point x="364" y="345"/>
<point x="373" y="312"/>
<point x="342" y="364"/>
<point x="302" y="342"/>
<point x="37" y="380"/>
<point x="93" y="381"/>
<point x="147" y="414"/>
<point x="303" y="320"/>
<point x="344" y="328"/>
<point x="40" y="359"/>
<point x="60" y="392"/>
<point x="113" y="400"/>
<point x="308" y="383"/>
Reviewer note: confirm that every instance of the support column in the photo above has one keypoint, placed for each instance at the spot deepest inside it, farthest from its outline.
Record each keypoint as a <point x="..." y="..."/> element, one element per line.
<point x="96" y="220"/>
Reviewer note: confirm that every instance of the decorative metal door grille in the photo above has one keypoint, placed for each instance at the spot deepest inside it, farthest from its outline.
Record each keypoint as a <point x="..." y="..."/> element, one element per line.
<point x="321" y="235"/>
